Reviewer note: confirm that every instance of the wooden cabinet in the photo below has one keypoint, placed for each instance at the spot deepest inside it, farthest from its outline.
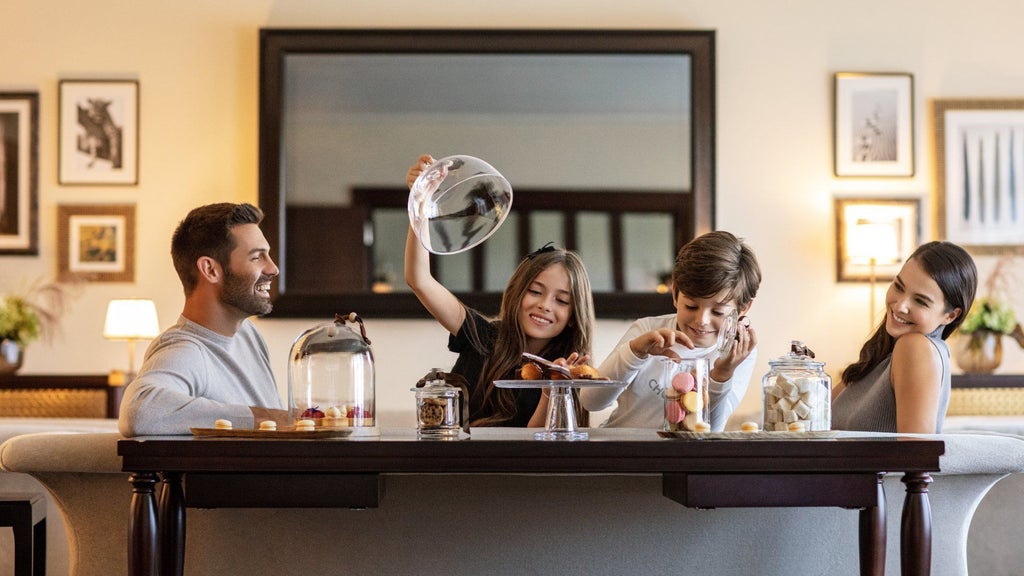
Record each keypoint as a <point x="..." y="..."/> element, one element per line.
<point x="59" y="396"/>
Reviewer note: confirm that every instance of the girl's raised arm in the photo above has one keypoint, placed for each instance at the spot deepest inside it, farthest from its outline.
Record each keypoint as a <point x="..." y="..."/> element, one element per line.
<point x="438" y="300"/>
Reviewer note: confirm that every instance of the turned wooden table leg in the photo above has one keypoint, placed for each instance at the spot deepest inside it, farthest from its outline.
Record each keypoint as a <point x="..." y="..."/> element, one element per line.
<point x="142" y="529"/>
<point x="916" y="528"/>
<point x="172" y="526"/>
<point x="873" y="536"/>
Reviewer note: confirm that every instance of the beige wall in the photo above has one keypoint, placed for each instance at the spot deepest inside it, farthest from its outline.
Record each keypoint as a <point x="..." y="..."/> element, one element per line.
<point x="197" y="64"/>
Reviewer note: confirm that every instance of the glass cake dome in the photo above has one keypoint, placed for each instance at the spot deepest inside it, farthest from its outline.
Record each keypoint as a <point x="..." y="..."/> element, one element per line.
<point x="331" y="377"/>
<point x="457" y="203"/>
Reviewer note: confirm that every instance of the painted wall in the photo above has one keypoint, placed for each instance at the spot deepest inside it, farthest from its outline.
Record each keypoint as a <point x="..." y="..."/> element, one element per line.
<point x="197" y="64"/>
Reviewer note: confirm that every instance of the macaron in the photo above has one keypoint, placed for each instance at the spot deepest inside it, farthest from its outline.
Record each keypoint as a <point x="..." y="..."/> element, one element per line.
<point x="683" y="382"/>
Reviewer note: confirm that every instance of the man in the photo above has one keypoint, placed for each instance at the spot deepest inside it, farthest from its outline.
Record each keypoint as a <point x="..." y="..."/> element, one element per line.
<point x="212" y="364"/>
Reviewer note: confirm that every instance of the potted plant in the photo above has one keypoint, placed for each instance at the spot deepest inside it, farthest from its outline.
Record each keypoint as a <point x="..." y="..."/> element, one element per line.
<point x="979" y="345"/>
<point x="26" y="317"/>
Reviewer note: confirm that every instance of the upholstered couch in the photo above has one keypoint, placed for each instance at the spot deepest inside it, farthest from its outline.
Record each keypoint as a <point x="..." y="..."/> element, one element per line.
<point x="505" y="524"/>
<point x="13" y="482"/>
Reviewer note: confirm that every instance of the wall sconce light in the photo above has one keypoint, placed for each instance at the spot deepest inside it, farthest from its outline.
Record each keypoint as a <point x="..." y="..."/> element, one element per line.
<point x="131" y="319"/>
<point x="874" y="237"/>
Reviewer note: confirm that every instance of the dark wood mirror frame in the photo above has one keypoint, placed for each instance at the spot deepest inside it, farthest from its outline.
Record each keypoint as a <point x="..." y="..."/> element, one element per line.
<point x="693" y="215"/>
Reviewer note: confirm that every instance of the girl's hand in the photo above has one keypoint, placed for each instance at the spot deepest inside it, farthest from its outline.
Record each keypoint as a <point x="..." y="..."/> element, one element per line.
<point x="659" y="343"/>
<point x="746" y="340"/>
<point x="421" y="164"/>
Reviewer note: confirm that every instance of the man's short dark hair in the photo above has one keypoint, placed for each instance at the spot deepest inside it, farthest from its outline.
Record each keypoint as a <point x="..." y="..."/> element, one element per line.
<point x="206" y="231"/>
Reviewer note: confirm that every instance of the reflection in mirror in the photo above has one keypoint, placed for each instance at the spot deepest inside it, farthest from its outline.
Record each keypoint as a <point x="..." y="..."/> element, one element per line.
<point x="606" y="137"/>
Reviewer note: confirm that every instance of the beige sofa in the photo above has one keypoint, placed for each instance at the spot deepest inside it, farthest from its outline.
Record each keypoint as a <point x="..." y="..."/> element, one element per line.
<point x="11" y="482"/>
<point x="505" y="524"/>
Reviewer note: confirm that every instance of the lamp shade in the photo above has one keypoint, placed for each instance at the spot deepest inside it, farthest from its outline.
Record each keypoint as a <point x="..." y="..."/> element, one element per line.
<point x="131" y="319"/>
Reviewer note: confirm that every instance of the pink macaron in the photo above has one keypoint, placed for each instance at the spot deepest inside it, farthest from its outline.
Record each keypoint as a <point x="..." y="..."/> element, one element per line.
<point x="683" y="382"/>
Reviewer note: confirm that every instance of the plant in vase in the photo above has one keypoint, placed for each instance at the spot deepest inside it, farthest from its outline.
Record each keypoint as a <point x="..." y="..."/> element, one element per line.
<point x="26" y="317"/>
<point x="979" y="344"/>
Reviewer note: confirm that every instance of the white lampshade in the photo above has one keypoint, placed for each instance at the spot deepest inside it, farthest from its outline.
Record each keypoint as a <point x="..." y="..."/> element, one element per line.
<point x="131" y="319"/>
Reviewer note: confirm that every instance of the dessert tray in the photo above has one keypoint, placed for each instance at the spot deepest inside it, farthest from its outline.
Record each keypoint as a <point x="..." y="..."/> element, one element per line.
<point x="289" y="433"/>
<point x="738" y="435"/>
<point x="563" y="383"/>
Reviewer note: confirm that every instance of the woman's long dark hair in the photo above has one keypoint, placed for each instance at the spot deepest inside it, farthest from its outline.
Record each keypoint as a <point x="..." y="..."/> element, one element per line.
<point x="954" y="271"/>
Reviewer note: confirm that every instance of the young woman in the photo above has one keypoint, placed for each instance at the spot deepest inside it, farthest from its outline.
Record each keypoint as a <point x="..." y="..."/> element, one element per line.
<point x="901" y="381"/>
<point x="547" y="309"/>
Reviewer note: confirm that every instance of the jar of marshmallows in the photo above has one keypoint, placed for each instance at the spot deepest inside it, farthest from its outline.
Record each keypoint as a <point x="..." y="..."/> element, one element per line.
<point x="796" y="393"/>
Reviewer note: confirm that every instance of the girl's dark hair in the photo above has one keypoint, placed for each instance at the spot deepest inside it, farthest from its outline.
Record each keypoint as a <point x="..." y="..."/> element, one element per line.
<point x="954" y="271"/>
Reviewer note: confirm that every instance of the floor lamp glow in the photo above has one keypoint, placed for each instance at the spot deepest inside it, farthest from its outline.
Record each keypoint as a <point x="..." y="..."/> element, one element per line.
<point x="131" y="319"/>
<point x="874" y="243"/>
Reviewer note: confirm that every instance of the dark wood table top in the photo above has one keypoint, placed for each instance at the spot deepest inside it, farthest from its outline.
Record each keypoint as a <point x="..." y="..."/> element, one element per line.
<point x="514" y="451"/>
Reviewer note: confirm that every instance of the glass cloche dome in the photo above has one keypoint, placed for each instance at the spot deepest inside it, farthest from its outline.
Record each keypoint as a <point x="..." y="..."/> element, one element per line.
<point x="331" y="378"/>
<point x="457" y="203"/>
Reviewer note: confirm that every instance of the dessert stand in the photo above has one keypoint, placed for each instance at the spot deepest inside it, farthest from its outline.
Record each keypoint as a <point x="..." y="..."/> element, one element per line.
<point x="560" y="423"/>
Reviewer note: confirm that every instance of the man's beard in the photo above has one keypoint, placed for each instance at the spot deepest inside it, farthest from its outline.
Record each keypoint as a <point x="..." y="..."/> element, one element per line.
<point x="241" y="294"/>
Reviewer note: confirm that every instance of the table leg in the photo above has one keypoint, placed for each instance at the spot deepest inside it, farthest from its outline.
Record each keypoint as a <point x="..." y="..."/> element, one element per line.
<point x="873" y="535"/>
<point x="916" y="527"/>
<point x="172" y="526"/>
<point x="142" y="531"/>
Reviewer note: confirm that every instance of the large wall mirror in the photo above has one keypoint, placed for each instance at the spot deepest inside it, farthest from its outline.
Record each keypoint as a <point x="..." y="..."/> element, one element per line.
<point x="607" y="138"/>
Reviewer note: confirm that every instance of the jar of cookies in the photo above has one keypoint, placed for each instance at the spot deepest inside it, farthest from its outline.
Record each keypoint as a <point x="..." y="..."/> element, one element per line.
<point x="684" y="384"/>
<point x="331" y="377"/>
<point x="796" y="393"/>
<point x="437" y="408"/>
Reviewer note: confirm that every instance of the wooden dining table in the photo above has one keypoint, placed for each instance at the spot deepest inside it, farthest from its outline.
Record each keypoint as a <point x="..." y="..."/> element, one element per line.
<point x="703" y="471"/>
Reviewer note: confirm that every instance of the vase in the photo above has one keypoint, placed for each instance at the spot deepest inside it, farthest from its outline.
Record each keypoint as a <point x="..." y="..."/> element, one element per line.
<point x="979" y="352"/>
<point x="11" y="356"/>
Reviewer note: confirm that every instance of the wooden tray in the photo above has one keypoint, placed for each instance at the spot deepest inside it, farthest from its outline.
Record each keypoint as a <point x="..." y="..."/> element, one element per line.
<point x="291" y="434"/>
<point x="737" y="435"/>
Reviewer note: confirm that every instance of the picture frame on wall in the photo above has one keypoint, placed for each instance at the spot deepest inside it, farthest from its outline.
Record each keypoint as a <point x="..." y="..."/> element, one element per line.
<point x="99" y="132"/>
<point x="19" y="173"/>
<point x="874" y="124"/>
<point x="885" y="230"/>
<point x="96" y="242"/>
<point x="979" y="162"/>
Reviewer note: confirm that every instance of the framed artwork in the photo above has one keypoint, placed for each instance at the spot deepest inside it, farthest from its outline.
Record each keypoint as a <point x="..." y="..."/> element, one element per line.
<point x="96" y="242"/>
<point x="875" y="236"/>
<point x="99" y="132"/>
<point x="19" y="173"/>
<point x="979" y="161"/>
<point x="874" y="124"/>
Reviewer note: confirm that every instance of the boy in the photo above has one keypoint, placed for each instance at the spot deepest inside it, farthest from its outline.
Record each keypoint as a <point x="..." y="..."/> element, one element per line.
<point x="715" y="275"/>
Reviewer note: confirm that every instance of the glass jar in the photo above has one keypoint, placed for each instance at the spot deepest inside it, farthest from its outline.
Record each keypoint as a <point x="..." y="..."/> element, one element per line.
<point x="684" y="385"/>
<point x="437" y="409"/>
<point x="796" y="393"/>
<point x="331" y="377"/>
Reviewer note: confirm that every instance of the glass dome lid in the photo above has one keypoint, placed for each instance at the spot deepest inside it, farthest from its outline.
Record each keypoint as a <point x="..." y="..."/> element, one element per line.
<point x="457" y="203"/>
<point x="331" y="377"/>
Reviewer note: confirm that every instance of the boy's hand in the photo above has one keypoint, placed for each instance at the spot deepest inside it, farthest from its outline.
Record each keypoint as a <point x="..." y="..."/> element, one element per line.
<point x="421" y="164"/>
<point x="746" y="340"/>
<point x="659" y="343"/>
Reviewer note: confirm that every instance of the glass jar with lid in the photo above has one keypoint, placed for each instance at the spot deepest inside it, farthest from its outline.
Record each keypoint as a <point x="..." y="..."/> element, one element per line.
<point x="437" y="407"/>
<point x="331" y="377"/>
<point x="796" y="393"/>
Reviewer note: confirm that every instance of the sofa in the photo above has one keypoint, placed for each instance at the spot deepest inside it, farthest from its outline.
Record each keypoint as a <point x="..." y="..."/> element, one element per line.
<point x="14" y="482"/>
<point x="506" y="524"/>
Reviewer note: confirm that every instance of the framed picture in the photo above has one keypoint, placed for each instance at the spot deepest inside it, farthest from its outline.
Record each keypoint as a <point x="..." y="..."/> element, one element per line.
<point x="979" y="161"/>
<point x="99" y="132"/>
<point x="19" y="172"/>
<point x="875" y="236"/>
<point x="96" y="242"/>
<point x="874" y="124"/>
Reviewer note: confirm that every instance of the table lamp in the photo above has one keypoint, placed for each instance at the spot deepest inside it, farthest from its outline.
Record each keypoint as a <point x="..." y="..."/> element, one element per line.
<point x="874" y="242"/>
<point x="131" y="319"/>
